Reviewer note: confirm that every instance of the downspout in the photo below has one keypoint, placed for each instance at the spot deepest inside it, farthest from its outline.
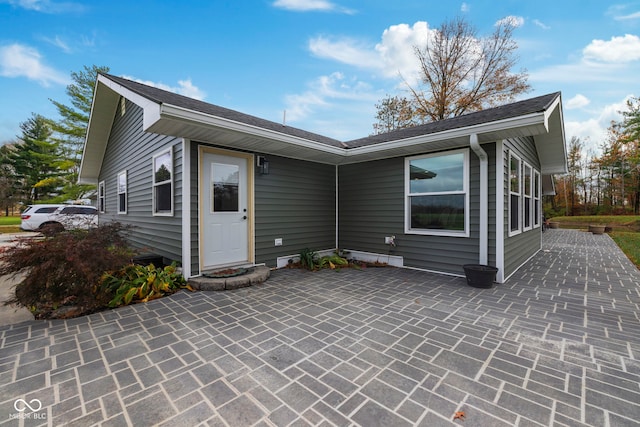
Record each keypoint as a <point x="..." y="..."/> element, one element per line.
<point x="484" y="198"/>
<point x="337" y="216"/>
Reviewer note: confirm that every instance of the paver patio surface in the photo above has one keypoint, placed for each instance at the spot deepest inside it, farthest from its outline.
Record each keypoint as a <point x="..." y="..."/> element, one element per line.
<point x="557" y="345"/>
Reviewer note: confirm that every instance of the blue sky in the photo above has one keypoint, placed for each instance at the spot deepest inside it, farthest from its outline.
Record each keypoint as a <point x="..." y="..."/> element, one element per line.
<point x="326" y="62"/>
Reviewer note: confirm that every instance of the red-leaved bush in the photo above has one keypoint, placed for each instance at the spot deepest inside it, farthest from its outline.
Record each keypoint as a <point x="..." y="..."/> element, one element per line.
<point x="64" y="269"/>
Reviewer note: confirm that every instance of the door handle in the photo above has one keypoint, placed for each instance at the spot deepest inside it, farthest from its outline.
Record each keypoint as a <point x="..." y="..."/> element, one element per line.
<point x="244" y="217"/>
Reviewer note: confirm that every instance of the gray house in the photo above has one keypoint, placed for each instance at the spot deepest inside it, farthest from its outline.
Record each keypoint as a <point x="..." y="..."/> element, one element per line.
<point x="211" y="187"/>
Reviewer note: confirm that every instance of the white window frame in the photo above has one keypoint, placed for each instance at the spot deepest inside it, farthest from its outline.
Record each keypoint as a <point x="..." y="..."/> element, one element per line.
<point x="102" y="199"/>
<point x="408" y="195"/>
<point x="527" y="201"/>
<point x="155" y="184"/>
<point x="537" y="205"/>
<point x="518" y="229"/>
<point x="122" y="210"/>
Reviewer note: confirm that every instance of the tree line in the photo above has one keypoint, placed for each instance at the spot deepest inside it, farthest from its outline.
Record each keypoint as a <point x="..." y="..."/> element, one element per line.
<point x="607" y="182"/>
<point x="43" y="162"/>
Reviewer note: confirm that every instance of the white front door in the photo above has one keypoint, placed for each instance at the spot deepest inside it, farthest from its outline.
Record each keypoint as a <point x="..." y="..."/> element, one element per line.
<point x="225" y="210"/>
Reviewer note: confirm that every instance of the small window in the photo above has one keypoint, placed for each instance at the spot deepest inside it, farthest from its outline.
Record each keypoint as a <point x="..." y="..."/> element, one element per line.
<point x="101" y="197"/>
<point x="225" y="183"/>
<point x="437" y="194"/>
<point x="514" y="194"/>
<point x="527" y="190"/>
<point x="163" y="183"/>
<point x="537" y="212"/>
<point x="49" y="209"/>
<point x="78" y="210"/>
<point x="122" y="192"/>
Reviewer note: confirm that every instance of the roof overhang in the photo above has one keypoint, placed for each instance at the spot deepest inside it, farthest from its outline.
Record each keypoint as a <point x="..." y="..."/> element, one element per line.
<point x="546" y="128"/>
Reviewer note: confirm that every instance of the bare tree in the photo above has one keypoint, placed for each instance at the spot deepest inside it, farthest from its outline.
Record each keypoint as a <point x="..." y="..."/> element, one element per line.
<point x="462" y="73"/>
<point x="393" y="112"/>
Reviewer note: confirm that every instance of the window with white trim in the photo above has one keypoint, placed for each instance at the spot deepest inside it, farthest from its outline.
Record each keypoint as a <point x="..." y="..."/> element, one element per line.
<point x="163" y="183"/>
<point x="527" y="200"/>
<point x="437" y="194"/>
<point x="537" y="213"/>
<point x="514" y="194"/>
<point x="122" y="192"/>
<point x="101" y="198"/>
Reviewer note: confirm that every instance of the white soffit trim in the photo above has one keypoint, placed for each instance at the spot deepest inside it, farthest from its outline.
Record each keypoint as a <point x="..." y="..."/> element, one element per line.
<point x="534" y="119"/>
<point x="184" y="114"/>
<point x="151" y="109"/>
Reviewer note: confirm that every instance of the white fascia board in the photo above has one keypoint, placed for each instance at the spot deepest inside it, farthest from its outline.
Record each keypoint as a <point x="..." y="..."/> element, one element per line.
<point x="511" y="123"/>
<point x="151" y="109"/>
<point x="549" y="111"/>
<point x="184" y="114"/>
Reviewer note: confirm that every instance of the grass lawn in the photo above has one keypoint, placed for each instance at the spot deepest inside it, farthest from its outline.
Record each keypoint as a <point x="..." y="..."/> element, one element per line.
<point x="9" y="220"/>
<point x="629" y="242"/>
<point x="9" y="224"/>
<point x="626" y="230"/>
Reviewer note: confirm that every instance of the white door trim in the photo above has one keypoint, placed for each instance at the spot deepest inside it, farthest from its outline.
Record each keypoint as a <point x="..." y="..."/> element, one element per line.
<point x="202" y="150"/>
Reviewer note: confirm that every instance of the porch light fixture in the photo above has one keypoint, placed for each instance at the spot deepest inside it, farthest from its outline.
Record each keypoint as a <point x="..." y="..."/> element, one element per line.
<point x="263" y="165"/>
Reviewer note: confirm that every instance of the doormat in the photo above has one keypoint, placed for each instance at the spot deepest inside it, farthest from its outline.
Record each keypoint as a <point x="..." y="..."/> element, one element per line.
<point x="229" y="272"/>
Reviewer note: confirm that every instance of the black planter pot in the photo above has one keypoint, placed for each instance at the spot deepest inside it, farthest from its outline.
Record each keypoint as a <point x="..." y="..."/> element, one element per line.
<point x="480" y="276"/>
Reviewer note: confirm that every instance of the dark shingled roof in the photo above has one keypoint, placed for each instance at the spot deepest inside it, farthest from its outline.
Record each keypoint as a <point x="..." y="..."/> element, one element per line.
<point x="520" y="108"/>
<point x="165" y="97"/>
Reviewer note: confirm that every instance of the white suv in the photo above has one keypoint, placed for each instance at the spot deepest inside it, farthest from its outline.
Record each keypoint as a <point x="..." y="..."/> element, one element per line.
<point x="36" y="217"/>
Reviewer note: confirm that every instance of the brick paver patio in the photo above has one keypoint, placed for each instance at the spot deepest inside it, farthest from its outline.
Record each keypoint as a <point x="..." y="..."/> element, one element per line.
<point x="557" y="345"/>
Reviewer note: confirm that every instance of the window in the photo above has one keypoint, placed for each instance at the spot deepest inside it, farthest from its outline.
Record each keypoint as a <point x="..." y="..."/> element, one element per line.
<point x="437" y="194"/>
<point x="514" y="194"/>
<point x="163" y="183"/>
<point x="225" y="183"/>
<point x="122" y="192"/>
<point x="49" y="209"/>
<point x="527" y="190"/>
<point x="537" y="213"/>
<point x="101" y="197"/>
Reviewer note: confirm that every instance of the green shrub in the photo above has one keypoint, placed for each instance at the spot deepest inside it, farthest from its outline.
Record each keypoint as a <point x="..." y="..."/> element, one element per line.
<point x="308" y="258"/>
<point x="136" y="283"/>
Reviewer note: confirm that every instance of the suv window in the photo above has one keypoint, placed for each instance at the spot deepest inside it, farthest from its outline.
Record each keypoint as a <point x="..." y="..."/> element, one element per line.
<point x="78" y="210"/>
<point x="48" y="209"/>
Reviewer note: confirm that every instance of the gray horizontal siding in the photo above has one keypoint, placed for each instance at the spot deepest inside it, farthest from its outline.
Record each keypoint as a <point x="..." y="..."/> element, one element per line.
<point x="371" y="206"/>
<point x="520" y="247"/>
<point x="131" y="149"/>
<point x="195" y="213"/>
<point x="294" y="202"/>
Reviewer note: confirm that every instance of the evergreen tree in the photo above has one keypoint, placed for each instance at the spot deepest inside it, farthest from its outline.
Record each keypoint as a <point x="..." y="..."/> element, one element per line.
<point x="71" y="130"/>
<point x="10" y="185"/>
<point x="35" y="160"/>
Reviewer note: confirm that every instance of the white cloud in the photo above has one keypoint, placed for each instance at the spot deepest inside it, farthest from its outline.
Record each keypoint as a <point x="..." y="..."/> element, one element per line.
<point x="324" y="91"/>
<point x="46" y="6"/>
<point x="59" y="43"/>
<point x="593" y="131"/>
<point x="578" y="101"/>
<point x="634" y="15"/>
<point x="346" y="51"/>
<point x="396" y="49"/>
<point x="393" y="55"/>
<point x="618" y="49"/>
<point x="465" y="8"/>
<point x="18" y="60"/>
<point x="514" y="21"/>
<point x="185" y="87"/>
<point x="541" y="24"/>
<point x="311" y="5"/>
